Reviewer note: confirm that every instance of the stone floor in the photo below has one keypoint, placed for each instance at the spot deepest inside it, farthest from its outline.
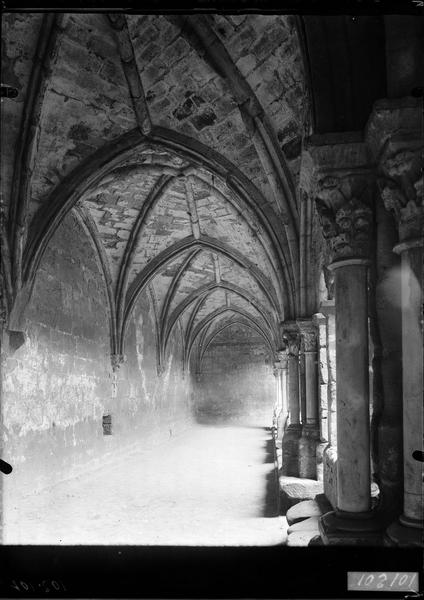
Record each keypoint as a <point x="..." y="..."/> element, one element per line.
<point x="213" y="486"/>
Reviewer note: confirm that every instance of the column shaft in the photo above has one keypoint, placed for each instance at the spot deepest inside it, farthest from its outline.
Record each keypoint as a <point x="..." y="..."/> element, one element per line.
<point x="332" y="395"/>
<point x="311" y="386"/>
<point x="293" y="390"/>
<point x="283" y="392"/>
<point x="412" y="349"/>
<point x="310" y="431"/>
<point x="353" y="426"/>
<point x="280" y="372"/>
<point x="290" y="445"/>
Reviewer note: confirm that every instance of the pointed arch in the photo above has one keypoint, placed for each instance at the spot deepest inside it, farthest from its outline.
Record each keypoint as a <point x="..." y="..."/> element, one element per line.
<point x="209" y="340"/>
<point x="204" y="292"/>
<point x="147" y="274"/>
<point x="89" y="227"/>
<point x="209" y="318"/>
<point x="94" y="168"/>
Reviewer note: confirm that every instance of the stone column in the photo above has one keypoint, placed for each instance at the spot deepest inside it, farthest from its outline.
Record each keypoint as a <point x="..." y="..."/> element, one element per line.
<point x="320" y="321"/>
<point x="277" y="405"/>
<point x="402" y="192"/>
<point x="280" y="369"/>
<point x="411" y="252"/>
<point x="310" y="427"/>
<point x="302" y="385"/>
<point x="330" y="452"/>
<point x="353" y="447"/>
<point x="343" y="201"/>
<point x="291" y="439"/>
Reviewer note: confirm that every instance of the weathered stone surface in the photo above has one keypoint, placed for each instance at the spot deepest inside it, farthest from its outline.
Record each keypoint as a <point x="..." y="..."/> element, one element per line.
<point x="301" y="538"/>
<point x="158" y="189"/>
<point x="303" y="510"/>
<point x="294" y="490"/>
<point x="57" y="385"/>
<point x="308" y="524"/>
<point x="236" y="383"/>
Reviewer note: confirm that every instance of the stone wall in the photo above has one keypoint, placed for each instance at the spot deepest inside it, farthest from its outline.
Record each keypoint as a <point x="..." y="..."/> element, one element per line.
<point x="151" y="407"/>
<point x="57" y="386"/>
<point x="236" y="384"/>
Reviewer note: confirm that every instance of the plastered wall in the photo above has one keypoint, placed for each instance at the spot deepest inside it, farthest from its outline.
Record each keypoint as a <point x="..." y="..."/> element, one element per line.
<point x="236" y="384"/>
<point x="57" y="386"/>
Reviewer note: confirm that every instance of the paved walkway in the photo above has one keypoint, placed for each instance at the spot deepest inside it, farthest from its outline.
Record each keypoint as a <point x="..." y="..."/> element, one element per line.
<point x="213" y="486"/>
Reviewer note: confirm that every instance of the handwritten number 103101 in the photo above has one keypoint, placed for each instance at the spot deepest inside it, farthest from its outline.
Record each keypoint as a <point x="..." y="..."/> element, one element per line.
<point x="389" y="580"/>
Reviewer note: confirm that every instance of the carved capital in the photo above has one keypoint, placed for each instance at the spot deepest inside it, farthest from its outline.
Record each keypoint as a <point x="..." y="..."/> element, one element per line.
<point x="117" y="360"/>
<point x="282" y="355"/>
<point x="291" y="338"/>
<point x="341" y="183"/>
<point x="281" y="360"/>
<point x="346" y="225"/>
<point x="401" y="188"/>
<point x="308" y="334"/>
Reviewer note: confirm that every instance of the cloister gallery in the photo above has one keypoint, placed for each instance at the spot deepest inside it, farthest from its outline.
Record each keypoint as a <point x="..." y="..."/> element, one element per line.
<point x="211" y="279"/>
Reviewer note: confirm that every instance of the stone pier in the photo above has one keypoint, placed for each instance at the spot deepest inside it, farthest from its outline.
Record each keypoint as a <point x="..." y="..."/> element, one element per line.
<point x="343" y="201"/>
<point x="392" y="133"/>
<point x="310" y="427"/>
<point x="290" y="446"/>
<point x="282" y="413"/>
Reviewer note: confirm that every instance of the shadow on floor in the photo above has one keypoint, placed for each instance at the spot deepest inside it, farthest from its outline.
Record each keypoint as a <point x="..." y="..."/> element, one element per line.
<point x="271" y="503"/>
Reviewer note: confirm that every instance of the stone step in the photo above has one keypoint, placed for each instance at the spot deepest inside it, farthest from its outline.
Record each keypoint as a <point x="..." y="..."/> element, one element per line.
<point x="303" y="510"/>
<point x="295" y="489"/>
<point x="303" y="532"/>
<point x="301" y="538"/>
<point x="310" y="524"/>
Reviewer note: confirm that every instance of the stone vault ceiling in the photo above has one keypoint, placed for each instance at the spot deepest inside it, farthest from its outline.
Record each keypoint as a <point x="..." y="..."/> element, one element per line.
<point x="176" y="142"/>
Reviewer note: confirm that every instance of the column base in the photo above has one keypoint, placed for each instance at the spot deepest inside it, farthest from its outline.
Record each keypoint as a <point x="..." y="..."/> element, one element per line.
<point x="341" y="528"/>
<point x="404" y="533"/>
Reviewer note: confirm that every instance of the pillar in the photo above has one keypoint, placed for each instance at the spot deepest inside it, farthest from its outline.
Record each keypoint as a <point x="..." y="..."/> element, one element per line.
<point x="353" y="426"/>
<point x="343" y="195"/>
<point x="290" y="445"/>
<point x="330" y="452"/>
<point x="310" y="427"/>
<point x="277" y="405"/>
<point x="320" y="322"/>
<point x="411" y="521"/>
<point x="280" y="371"/>
<point x="401" y="186"/>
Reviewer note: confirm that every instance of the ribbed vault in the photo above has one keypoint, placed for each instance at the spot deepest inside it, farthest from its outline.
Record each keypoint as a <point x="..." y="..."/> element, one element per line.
<point x="164" y="223"/>
<point x="176" y="142"/>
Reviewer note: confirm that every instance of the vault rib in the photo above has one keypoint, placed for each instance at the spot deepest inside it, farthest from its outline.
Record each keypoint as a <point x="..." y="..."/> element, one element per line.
<point x="132" y="75"/>
<point x="217" y="268"/>
<point x="191" y="206"/>
<point x="28" y="140"/>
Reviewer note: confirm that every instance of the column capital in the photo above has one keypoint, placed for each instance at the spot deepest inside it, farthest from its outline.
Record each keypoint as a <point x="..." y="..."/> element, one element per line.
<point x="394" y="136"/>
<point x="341" y="179"/>
<point x="281" y="358"/>
<point x="117" y="360"/>
<point x="308" y="332"/>
<point x="291" y="337"/>
<point x="402" y="194"/>
<point x="346" y="221"/>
